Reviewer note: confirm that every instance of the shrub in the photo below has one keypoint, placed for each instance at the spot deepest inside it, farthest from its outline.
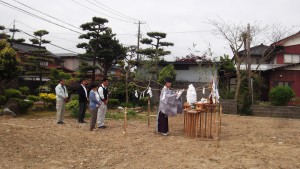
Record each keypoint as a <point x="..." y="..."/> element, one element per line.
<point x="2" y="99"/>
<point x="12" y="93"/>
<point x="73" y="104"/>
<point x="131" y="113"/>
<point x="44" y="89"/>
<point x="245" y="104"/>
<point x="281" y="95"/>
<point x="24" y="90"/>
<point x="47" y="98"/>
<point x="113" y="103"/>
<point x="25" y="105"/>
<point x="129" y="105"/>
<point x="33" y="98"/>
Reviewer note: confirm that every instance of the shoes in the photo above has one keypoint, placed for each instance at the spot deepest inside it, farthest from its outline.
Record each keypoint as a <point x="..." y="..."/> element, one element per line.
<point x="164" y="134"/>
<point x="60" y="122"/>
<point x="102" y="127"/>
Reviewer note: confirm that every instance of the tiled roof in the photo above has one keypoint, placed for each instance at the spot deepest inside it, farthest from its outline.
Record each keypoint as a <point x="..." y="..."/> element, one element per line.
<point x="257" y="50"/>
<point x="62" y="55"/>
<point x="28" y="48"/>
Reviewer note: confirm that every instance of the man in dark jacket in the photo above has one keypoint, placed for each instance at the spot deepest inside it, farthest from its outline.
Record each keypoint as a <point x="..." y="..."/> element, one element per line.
<point x="83" y="98"/>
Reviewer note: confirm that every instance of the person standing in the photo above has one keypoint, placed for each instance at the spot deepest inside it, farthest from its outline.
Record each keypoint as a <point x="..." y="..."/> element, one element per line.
<point x="61" y="99"/>
<point x="83" y="98"/>
<point x="103" y="93"/>
<point x="168" y="105"/>
<point x="94" y="105"/>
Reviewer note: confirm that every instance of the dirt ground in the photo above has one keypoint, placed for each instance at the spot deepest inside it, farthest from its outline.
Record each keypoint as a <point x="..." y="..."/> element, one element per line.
<point x="245" y="142"/>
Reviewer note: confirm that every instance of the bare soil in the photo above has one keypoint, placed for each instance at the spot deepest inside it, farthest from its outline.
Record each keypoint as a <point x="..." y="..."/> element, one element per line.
<point x="245" y="142"/>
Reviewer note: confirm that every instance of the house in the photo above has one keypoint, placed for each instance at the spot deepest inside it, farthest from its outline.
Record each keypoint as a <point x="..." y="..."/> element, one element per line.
<point x="72" y="62"/>
<point x="282" y="67"/>
<point x="192" y="72"/>
<point x="287" y="59"/>
<point x="200" y="74"/>
<point x="24" y="50"/>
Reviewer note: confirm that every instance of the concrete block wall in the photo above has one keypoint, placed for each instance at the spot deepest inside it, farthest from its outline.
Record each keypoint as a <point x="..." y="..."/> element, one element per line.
<point x="229" y="106"/>
<point x="276" y="111"/>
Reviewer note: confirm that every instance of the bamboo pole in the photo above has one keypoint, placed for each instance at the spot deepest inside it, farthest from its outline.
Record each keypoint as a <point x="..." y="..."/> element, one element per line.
<point x="125" y="120"/>
<point x="148" y="112"/>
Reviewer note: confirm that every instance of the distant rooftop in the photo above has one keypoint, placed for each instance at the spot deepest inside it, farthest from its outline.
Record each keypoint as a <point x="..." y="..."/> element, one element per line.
<point x="28" y="48"/>
<point x="66" y="55"/>
<point x="257" y="50"/>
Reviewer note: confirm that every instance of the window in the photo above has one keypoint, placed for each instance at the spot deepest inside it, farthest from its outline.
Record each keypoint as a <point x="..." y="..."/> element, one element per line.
<point x="62" y="64"/>
<point x="181" y="67"/>
<point x="284" y="84"/>
<point x="290" y="58"/>
<point x="42" y="63"/>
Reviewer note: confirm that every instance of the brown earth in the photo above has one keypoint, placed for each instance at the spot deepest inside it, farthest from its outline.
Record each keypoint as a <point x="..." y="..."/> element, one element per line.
<point x="245" y="142"/>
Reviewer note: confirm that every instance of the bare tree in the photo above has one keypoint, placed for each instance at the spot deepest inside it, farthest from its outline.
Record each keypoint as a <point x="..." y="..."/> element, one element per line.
<point x="236" y="36"/>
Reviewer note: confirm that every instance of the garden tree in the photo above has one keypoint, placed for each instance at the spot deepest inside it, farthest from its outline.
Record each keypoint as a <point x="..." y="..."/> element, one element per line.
<point x="235" y="35"/>
<point x="84" y="68"/>
<point x="40" y="40"/>
<point x="156" y="50"/>
<point x="9" y="64"/>
<point x="226" y="71"/>
<point x="112" y="51"/>
<point x="3" y="35"/>
<point x="102" y="48"/>
<point x="128" y="64"/>
<point x="55" y="75"/>
<point x="167" y="72"/>
<point x="36" y="63"/>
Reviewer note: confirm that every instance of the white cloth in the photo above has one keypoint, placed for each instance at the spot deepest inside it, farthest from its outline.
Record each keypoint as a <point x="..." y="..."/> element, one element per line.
<point x="168" y="102"/>
<point x="191" y="95"/>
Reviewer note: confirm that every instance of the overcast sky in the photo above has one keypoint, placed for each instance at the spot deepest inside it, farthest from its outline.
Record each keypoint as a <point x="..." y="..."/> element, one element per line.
<point x="184" y="21"/>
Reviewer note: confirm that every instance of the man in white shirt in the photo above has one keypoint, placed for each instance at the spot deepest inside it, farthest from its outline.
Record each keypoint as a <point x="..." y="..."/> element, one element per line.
<point x="61" y="99"/>
<point x="103" y="93"/>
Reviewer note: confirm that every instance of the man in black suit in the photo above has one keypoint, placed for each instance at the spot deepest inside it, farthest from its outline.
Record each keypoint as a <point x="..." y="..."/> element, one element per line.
<point x="83" y="98"/>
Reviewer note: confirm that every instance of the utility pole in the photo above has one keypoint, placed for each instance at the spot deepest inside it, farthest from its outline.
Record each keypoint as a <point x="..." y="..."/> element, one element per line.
<point x="138" y="38"/>
<point x="249" y="62"/>
<point x="13" y="30"/>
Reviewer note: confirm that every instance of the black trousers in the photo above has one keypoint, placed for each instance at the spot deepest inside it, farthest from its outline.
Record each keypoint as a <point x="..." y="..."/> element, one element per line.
<point x="163" y="124"/>
<point x="82" y="110"/>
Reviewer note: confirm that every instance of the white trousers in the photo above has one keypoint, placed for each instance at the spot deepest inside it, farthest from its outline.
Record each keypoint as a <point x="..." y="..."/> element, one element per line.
<point x="60" y="110"/>
<point x="101" y="114"/>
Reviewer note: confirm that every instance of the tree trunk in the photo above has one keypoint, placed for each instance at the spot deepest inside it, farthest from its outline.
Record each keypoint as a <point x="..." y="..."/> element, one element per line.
<point x="126" y="87"/>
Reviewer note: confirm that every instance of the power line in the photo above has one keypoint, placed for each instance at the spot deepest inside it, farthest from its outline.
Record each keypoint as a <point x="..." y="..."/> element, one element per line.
<point x="100" y="12"/>
<point x="49" y="43"/>
<point x="189" y="31"/>
<point x="117" y="14"/>
<point x="49" y="34"/>
<point x="117" y="11"/>
<point x="36" y="16"/>
<point x="46" y="14"/>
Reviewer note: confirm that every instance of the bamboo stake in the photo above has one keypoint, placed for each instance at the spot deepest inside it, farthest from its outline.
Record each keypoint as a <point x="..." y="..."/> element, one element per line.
<point x="125" y="121"/>
<point x="148" y="112"/>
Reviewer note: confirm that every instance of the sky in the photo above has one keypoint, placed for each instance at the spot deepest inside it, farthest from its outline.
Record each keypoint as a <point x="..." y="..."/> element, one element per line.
<point x="186" y="22"/>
